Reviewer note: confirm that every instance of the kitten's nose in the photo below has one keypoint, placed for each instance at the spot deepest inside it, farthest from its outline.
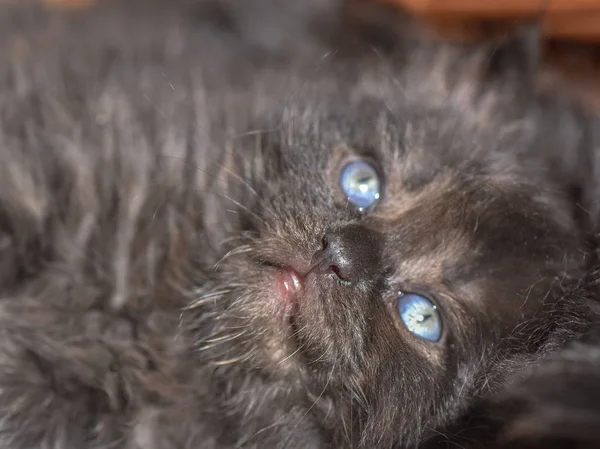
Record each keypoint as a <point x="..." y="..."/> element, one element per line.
<point x="352" y="252"/>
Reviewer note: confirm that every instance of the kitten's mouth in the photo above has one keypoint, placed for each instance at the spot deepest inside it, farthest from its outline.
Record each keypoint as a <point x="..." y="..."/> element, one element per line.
<point x="289" y="283"/>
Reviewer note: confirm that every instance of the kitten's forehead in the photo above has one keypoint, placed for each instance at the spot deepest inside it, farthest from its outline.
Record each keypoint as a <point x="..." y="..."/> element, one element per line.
<point x="388" y="123"/>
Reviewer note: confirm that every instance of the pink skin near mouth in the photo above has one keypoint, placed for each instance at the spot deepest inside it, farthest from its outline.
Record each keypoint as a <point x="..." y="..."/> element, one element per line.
<point x="289" y="283"/>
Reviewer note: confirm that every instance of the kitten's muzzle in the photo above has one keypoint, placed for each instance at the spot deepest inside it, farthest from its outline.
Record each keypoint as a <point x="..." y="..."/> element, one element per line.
<point x="352" y="253"/>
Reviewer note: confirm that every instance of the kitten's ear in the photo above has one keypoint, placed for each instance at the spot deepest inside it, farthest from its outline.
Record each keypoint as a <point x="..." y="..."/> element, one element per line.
<point x="516" y="57"/>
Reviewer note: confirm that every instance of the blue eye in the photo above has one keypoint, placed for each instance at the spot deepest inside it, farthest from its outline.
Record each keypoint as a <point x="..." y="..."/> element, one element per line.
<point x="360" y="183"/>
<point x="420" y="316"/>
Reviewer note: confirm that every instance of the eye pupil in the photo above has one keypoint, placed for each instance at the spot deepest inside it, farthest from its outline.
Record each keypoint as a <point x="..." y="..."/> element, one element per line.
<point x="360" y="183"/>
<point x="420" y="316"/>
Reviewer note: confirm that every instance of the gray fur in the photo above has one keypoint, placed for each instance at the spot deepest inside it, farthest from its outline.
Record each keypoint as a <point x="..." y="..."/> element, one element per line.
<point x="156" y="164"/>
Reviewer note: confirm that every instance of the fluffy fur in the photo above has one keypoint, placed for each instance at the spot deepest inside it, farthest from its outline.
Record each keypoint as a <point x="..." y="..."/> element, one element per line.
<point x="161" y="162"/>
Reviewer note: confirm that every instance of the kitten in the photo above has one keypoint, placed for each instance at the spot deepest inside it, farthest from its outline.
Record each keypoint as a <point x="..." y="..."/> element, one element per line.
<point x="216" y="238"/>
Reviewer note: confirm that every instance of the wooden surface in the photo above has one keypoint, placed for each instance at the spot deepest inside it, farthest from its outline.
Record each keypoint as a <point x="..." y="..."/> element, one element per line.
<point x="564" y="19"/>
<point x="499" y="8"/>
<point x="576" y="27"/>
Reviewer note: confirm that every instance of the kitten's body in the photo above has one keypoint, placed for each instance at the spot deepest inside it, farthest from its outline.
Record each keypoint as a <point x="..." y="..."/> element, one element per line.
<point x="150" y="161"/>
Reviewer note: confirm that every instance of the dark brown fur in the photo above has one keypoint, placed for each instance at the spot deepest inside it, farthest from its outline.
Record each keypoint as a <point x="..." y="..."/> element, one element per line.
<point x="158" y="166"/>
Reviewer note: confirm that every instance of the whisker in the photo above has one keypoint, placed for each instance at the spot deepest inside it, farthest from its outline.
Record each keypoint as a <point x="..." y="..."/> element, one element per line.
<point x="242" y="249"/>
<point x="238" y="204"/>
<point x="316" y="265"/>
<point x="210" y="297"/>
<point x="264" y="429"/>
<point x="302" y="346"/>
<point x="321" y="357"/>
<point x="295" y="334"/>
<point x="234" y="360"/>
<point x="224" y="338"/>
<point x="236" y="176"/>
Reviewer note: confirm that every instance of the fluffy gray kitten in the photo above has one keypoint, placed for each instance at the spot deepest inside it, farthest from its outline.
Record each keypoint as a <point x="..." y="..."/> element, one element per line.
<point x="228" y="225"/>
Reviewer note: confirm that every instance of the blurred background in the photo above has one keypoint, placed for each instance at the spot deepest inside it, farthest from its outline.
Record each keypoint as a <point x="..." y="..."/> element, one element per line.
<point x="571" y="32"/>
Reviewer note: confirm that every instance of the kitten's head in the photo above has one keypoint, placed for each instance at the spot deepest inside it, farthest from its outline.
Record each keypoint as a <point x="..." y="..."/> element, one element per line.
<point x="387" y="251"/>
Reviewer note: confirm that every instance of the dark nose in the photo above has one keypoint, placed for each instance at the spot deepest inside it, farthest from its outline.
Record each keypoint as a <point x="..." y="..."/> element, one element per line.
<point x="352" y="252"/>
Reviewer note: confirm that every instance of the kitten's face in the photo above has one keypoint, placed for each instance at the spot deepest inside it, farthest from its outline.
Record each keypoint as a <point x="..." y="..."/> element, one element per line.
<point x="387" y="256"/>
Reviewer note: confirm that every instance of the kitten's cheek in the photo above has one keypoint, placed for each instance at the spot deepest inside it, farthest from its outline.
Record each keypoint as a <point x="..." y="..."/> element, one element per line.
<point x="288" y="284"/>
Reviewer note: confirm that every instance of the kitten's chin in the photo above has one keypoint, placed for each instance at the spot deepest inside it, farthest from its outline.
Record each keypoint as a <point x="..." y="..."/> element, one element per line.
<point x="270" y="302"/>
